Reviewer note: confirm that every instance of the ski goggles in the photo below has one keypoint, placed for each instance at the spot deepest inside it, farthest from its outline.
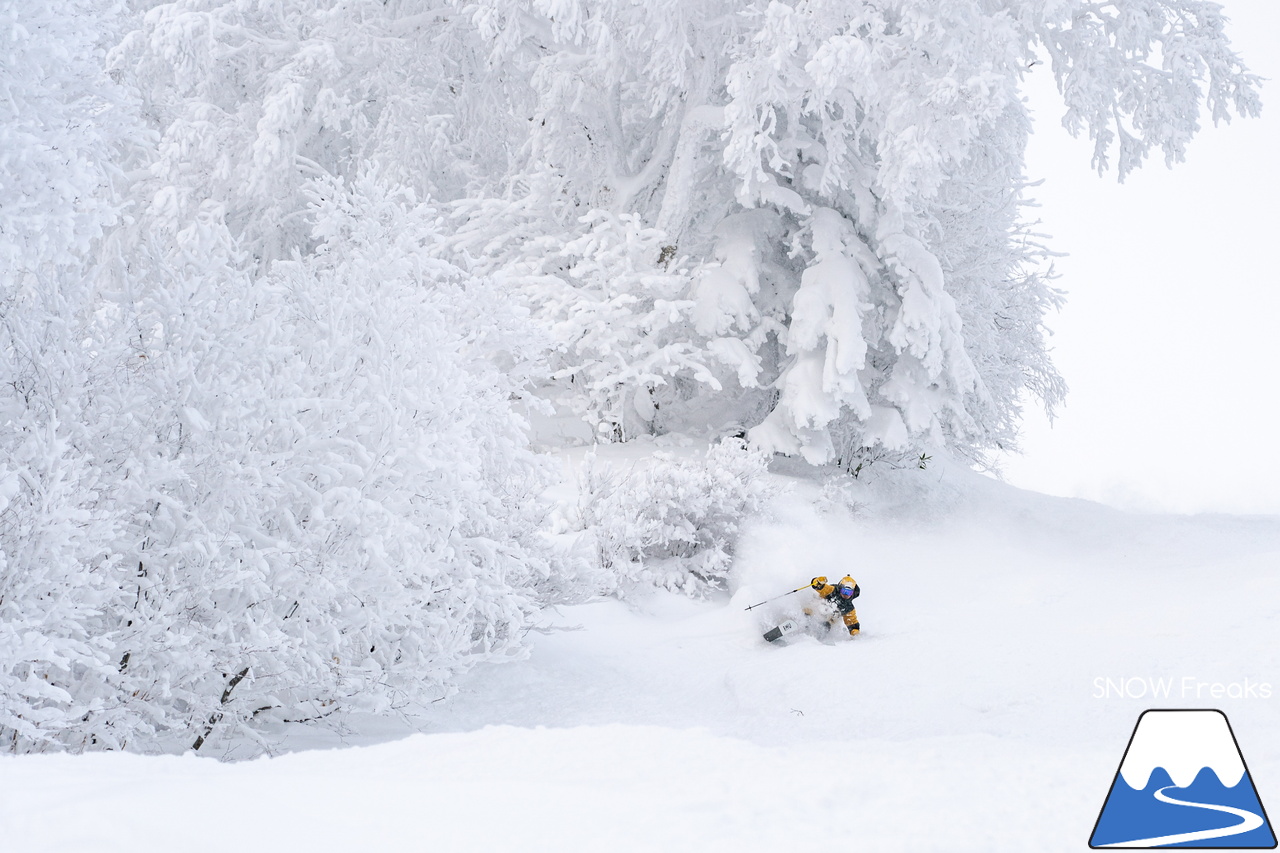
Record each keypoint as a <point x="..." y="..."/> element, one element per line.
<point x="845" y="591"/>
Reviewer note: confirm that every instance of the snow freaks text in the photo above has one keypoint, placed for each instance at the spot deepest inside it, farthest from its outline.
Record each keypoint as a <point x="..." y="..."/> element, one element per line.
<point x="1186" y="687"/>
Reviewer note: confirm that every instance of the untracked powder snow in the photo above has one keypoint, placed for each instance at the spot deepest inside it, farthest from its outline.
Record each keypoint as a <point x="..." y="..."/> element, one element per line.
<point x="970" y="713"/>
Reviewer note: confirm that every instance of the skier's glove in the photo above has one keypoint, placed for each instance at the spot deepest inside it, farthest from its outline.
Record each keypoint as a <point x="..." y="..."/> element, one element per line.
<point x="818" y="582"/>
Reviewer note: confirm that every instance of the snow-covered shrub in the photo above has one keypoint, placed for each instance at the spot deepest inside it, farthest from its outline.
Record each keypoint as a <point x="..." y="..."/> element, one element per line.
<point x="672" y="522"/>
<point x="365" y="499"/>
<point x="265" y="460"/>
<point x="324" y="501"/>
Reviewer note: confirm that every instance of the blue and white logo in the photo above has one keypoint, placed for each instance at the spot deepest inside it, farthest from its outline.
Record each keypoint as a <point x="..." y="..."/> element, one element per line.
<point x="1183" y="783"/>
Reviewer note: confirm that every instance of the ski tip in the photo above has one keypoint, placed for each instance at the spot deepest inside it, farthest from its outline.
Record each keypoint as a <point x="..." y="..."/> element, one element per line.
<point x="775" y="634"/>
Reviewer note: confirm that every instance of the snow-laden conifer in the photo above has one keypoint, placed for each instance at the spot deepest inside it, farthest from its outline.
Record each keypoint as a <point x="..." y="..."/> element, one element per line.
<point x="887" y="293"/>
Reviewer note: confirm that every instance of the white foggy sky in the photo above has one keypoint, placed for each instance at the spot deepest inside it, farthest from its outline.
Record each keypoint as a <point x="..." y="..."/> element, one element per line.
<point x="1170" y="338"/>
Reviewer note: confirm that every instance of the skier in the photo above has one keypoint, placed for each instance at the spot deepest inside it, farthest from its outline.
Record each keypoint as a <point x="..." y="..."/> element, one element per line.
<point x="841" y="595"/>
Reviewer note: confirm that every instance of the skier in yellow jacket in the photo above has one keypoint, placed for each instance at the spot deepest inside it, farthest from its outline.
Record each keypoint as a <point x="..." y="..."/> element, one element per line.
<point x="841" y="595"/>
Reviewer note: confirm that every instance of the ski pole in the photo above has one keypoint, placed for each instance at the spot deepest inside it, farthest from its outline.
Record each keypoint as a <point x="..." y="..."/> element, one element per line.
<point x="776" y="597"/>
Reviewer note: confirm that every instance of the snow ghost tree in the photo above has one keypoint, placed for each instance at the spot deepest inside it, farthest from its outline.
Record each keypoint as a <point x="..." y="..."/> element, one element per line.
<point x="845" y="180"/>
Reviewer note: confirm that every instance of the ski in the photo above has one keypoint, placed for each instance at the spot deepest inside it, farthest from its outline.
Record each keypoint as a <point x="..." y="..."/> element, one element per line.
<point x="788" y="627"/>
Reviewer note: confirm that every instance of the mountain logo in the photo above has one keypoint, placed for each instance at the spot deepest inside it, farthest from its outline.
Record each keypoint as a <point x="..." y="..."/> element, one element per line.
<point x="1183" y="783"/>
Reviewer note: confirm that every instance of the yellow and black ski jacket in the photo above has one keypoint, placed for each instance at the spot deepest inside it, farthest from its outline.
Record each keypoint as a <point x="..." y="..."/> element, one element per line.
<point x="828" y="591"/>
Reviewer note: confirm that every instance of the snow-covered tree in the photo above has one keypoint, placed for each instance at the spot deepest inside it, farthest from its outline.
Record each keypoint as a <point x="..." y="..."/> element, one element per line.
<point x="336" y="508"/>
<point x="253" y="100"/>
<point x="899" y="127"/>
<point x="322" y="497"/>
<point x="264" y="450"/>
<point x="846" y="178"/>
<point x="842" y="180"/>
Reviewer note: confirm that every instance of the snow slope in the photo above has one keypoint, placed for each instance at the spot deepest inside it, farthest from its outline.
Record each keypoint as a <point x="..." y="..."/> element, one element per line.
<point x="966" y="717"/>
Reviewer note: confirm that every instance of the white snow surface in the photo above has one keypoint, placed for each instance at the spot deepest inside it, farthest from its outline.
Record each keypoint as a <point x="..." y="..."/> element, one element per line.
<point x="1183" y="743"/>
<point x="965" y="717"/>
